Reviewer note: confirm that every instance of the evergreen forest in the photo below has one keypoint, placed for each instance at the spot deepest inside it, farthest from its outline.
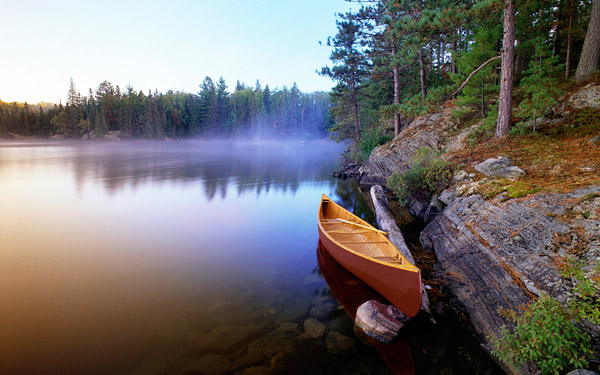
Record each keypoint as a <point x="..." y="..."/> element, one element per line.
<point x="212" y="112"/>
<point x="394" y="60"/>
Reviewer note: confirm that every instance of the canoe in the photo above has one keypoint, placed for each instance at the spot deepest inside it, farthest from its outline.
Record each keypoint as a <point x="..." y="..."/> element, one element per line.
<point x="366" y="252"/>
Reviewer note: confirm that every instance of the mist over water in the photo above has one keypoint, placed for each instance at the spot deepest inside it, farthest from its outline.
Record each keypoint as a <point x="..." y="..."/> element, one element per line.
<point x="112" y="253"/>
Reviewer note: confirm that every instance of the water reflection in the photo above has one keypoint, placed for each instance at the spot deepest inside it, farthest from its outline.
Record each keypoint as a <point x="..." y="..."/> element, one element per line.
<point x="352" y="292"/>
<point x="254" y="166"/>
<point x="137" y="257"/>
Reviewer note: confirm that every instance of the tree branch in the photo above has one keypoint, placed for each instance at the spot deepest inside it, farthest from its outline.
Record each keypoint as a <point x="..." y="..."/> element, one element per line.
<point x="471" y="76"/>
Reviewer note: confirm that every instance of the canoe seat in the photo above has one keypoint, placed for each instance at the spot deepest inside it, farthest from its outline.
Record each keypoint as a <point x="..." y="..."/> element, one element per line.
<point x="388" y="259"/>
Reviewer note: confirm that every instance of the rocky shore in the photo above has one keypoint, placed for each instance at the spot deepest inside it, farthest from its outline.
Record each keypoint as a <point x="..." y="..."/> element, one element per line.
<point x="501" y="251"/>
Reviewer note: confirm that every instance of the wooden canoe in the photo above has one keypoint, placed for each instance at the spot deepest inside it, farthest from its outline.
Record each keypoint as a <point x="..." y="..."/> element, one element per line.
<point x="366" y="252"/>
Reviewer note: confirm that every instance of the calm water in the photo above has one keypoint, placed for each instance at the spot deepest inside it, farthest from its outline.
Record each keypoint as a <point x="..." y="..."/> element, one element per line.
<point x="171" y="258"/>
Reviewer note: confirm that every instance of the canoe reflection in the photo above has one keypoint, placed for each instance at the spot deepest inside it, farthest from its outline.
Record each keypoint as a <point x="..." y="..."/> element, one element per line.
<point x="351" y="292"/>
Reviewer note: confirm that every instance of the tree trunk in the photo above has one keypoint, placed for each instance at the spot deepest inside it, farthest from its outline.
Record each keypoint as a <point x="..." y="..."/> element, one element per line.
<point x="588" y="63"/>
<point x="507" y="71"/>
<point x="396" y="94"/>
<point x="423" y="77"/>
<point x="568" y="62"/>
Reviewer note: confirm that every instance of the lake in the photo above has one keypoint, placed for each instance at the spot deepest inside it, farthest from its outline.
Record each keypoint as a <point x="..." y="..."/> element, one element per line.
<point x="179" y="257"/>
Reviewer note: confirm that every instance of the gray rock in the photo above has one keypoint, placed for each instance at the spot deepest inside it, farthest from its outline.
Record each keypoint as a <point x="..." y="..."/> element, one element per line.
<point x="112" y="136"/>
<point x="248" y="360"/>
<point x="85" y="137"/>
<point x="582" y="372"/>
<point x="459" y="142"/>
<point x="211" y="364"/>
<point x="225" y="338"/>
<point x="282" y="339"/>
<point x="501" y="254"/>
<point x="448" y="196"/>
<point x="587" y="97"/>
<point x="499" y="167"/>
<point x="460" y="176"/>
<point x="340" y="344"/>
<point x="595" y="140"/>
<point x="396" y="156"/>
<point x="379" y="321"/>
<point x="57" y="137"/>
<point x="314" y="329"/>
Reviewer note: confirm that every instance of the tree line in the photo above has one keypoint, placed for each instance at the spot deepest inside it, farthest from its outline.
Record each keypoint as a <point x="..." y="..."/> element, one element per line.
<point x="396" y="59"/>
<point x="212" y="112"/>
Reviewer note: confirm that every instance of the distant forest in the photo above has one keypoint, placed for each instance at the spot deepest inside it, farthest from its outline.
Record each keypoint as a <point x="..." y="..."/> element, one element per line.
<point x="212" y="112"/>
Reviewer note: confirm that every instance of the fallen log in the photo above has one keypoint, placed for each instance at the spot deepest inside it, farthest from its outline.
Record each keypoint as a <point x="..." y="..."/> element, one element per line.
<point x="386" y="222"/>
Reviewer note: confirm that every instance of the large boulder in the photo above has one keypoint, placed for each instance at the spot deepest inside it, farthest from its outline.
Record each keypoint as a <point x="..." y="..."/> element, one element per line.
<point x="499" y="167"/>
<point x="501" y="255"/>
<point x="427" y="131"/>
<point x="379" y="321"/>
<point x="588" y="97"/>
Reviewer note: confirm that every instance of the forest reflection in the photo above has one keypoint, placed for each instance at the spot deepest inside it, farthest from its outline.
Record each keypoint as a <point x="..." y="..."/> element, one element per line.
<point x="247" y="166"/>
<point x="219" y="165"/>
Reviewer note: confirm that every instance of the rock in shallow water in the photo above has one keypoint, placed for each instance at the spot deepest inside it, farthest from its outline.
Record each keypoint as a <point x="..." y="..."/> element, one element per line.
<point x="212" y="364"/>
<point x="340" y="344"/>
<point x="379" y="321"/>
<point x="313" y="329"/>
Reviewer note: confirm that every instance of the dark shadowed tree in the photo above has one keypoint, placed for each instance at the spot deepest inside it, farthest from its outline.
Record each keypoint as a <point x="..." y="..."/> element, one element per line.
<point x="590" y="55"/>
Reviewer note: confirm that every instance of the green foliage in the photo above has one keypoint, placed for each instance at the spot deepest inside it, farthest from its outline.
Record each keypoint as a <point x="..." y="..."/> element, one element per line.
<point x="428" y="174"/>
<point x="585" y="301"/>
<point x="586" y="120"/>
<point x="371" y="138"/>
<point x="547" y="332"/>
<point x="475" y="97"/>
<point x="546" y="335"/>
<point x="539" y="85"/>
<point x="486" y="128"/>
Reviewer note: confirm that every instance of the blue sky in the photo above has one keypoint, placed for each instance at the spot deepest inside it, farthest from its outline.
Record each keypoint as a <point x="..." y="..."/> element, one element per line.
<point x="161" y="45"/>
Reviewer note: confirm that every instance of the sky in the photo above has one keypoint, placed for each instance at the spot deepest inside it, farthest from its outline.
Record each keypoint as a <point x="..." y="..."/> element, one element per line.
<point x="163" y="45"/>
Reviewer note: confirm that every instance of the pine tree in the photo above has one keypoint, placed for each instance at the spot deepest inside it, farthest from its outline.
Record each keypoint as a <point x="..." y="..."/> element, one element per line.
<point x="590" y="55"/>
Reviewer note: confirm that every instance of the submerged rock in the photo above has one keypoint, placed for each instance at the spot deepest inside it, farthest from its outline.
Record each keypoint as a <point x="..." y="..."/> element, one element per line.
<point x="212" y="364"/>
<point x="283" y="339"/>
<point x="258" y="370"/>
<point x="225" y="338"/>
<point x="340" y="344"/>
<point x="499" y="167"/>
<point x="379" y="321"/>
<point x="313" y="329"/>
<point x="248" y="360"/>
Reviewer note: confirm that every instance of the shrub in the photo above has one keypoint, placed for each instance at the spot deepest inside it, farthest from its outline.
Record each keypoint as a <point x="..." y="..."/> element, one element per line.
<point x="546" y="332"/>
<point x="371" y="138"/>
<point x="428" y="174"/>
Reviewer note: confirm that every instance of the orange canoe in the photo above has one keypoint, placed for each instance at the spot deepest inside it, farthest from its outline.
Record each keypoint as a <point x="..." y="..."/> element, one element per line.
<point x="366" y="252"/>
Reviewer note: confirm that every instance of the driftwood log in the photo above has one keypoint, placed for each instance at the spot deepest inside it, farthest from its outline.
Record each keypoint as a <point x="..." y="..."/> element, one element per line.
<point x="386" y="222"/>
